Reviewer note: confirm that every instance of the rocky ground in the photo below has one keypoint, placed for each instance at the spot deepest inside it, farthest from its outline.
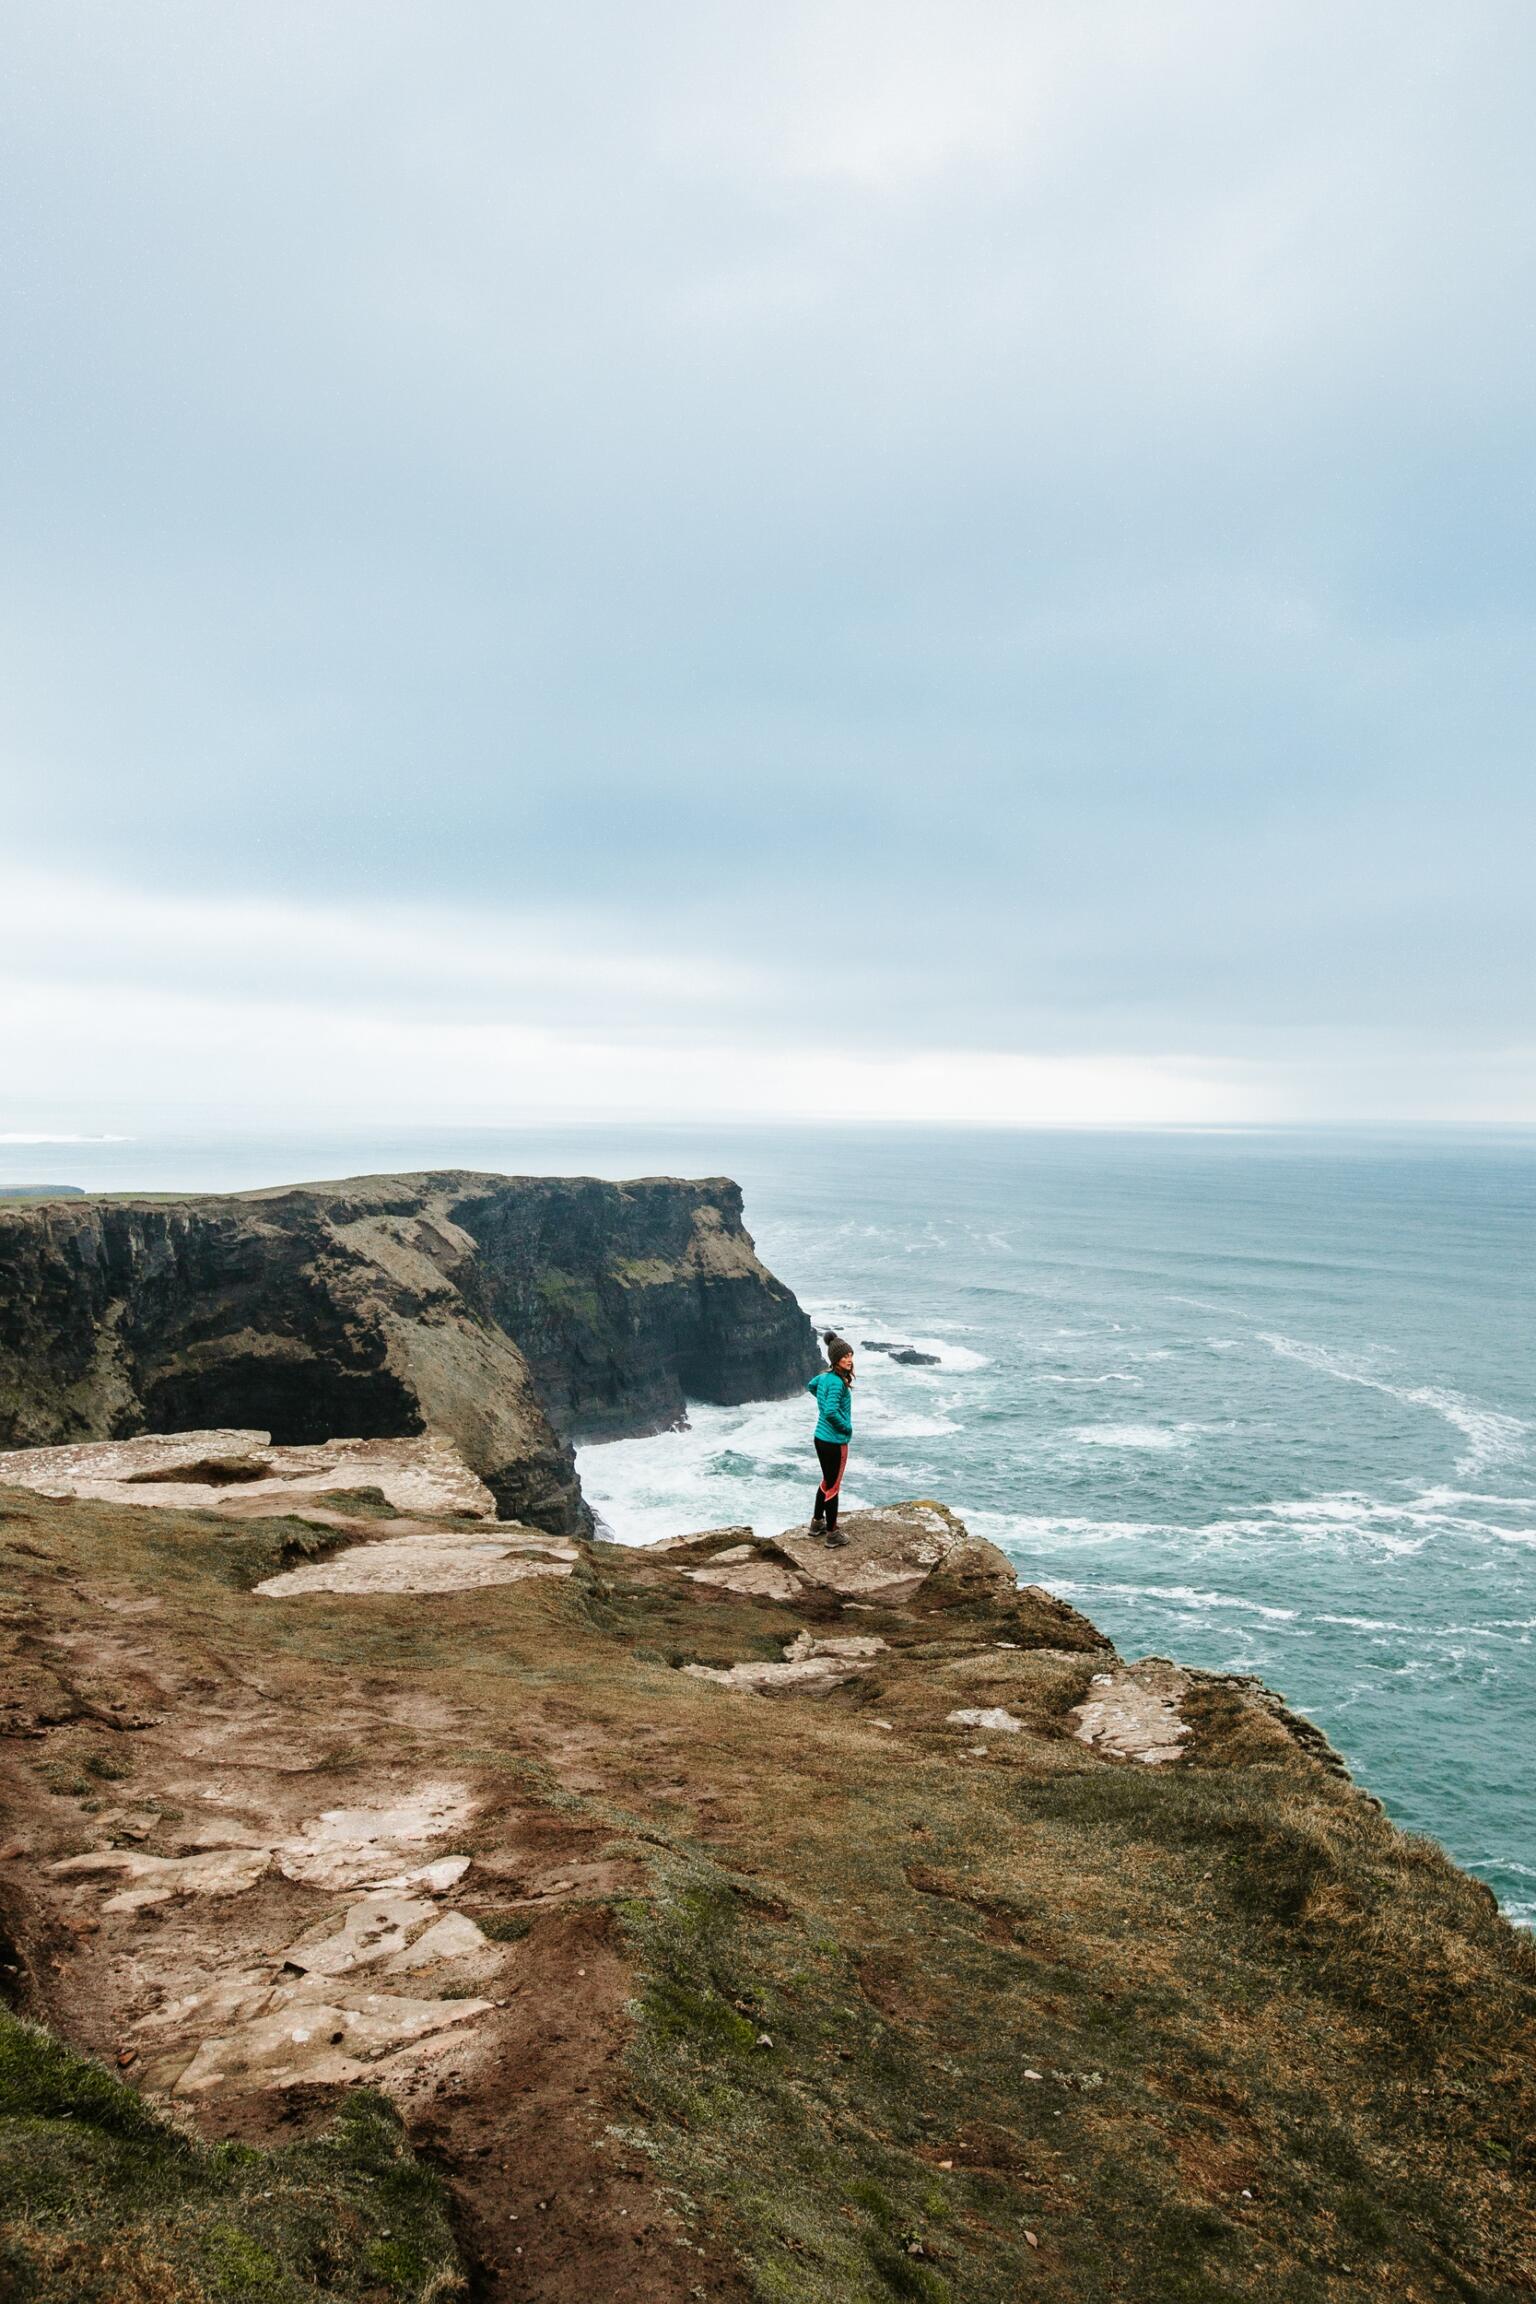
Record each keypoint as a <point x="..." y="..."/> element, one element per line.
<point x="420" y="1905"/>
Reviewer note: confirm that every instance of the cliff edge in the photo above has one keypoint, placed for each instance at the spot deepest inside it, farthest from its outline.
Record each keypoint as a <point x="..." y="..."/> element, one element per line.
<point x="402" y="1905"/>
<point x="513" y="1315"/>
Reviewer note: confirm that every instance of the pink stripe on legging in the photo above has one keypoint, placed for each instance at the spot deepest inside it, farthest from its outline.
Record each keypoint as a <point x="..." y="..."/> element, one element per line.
<point x="842" y="1466"/>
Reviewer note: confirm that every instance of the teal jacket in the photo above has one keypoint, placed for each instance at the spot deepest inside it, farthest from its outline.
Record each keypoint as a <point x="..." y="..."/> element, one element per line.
<point x="835" y="1400"/>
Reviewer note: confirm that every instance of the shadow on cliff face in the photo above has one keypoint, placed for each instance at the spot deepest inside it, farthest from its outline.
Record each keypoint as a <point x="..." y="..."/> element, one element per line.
<point x="300" y="1402"/>
<point x="509" y="1314"/>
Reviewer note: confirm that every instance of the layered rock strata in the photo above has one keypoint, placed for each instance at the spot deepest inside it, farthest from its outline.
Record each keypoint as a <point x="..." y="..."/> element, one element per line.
<point x="512" y="1315"/>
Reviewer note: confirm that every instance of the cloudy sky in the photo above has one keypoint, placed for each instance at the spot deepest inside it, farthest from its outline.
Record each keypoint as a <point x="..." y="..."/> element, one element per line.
<point x="946" y="560"/>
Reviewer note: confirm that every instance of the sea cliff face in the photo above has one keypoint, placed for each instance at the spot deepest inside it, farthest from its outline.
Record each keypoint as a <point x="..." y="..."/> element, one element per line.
<point x="512" y="1314"/>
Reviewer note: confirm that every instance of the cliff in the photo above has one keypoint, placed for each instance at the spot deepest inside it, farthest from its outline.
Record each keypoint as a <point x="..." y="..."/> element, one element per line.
<point x="512" y="1314"/>
<point x="738" y="1919"/>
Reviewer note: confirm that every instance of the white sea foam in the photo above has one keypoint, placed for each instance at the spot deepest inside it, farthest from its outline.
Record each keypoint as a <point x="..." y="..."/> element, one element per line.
<point x="748" y="1466"/>
<point x="1185" y="1595"/>
<point x="1151" y="1436"/>
<point x="1492" y="1434"/>
<point x="1114" y="1376"/>
<point x="894" y="1426"/>
<point x="949" y="1356"/>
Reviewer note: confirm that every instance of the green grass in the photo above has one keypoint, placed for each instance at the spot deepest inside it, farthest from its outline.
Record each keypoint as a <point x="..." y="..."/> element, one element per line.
<point x="1283" y="2050"/>
<point x="103" y="2201"/>
<point x="1235" y="1944"/>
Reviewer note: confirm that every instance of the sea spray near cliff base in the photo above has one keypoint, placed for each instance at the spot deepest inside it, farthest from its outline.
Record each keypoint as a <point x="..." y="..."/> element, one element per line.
<point x="1325" y="1476"/>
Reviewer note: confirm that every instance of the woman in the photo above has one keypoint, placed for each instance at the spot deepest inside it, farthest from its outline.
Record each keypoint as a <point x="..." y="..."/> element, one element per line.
<point x="832" y="1392"/>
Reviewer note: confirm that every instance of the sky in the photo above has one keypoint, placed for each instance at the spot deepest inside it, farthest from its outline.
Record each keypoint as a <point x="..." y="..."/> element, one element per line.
<point x="959" y="561"/>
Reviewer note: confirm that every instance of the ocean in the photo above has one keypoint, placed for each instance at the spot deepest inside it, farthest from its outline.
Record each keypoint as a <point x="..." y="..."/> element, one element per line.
<point x="1263" y="1402"/>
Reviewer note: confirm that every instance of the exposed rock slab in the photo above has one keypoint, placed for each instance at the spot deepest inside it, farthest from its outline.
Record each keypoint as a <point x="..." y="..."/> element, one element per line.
<point x="299" y="2040"/>
<point x="373" y="1930"/>
<point x="994" y="1717"/>
<point x="358" y="1847"/>
<point x="810" y="1667"/>
<point x="706" y="1541"/>
<point x="378" y="1847"/>
<point x="243" y="1473"/>
<point x="806" y="1676"/>
<point x="454" y="1937"/>
<point x="758" y="1576"/>
<point x="890" y="1554"/>
<point x="425" y="1560"/>
<point x="156" y="1879"/>
<point x="1133" y="1713"/>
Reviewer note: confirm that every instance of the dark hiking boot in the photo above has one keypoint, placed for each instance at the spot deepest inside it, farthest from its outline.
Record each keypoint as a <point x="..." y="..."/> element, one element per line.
<point x="817" y="1528"/>
<point x="835" y="1536"/>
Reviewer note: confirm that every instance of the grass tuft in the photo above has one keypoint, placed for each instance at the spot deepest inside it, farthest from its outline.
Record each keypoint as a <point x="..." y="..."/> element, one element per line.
<point x="104" y="2201"/>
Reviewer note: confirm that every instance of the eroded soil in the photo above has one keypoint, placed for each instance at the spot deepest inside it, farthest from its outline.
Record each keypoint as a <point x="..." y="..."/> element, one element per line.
<point x="909" y="1945"/>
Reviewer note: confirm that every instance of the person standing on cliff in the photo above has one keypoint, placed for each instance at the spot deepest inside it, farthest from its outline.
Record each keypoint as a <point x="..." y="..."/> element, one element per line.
<point x="832" y="1392"/>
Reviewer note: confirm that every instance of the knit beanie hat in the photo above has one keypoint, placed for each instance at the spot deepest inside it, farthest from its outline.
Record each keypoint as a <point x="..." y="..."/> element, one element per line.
<point x="838" y="1347"/>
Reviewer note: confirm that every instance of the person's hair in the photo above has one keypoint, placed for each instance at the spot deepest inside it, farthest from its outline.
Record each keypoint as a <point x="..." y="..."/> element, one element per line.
<point x="838" y="1347"/>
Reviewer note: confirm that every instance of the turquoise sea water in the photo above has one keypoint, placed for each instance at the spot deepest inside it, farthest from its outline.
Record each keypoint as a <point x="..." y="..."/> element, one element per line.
<point x="1264" y="1403"/>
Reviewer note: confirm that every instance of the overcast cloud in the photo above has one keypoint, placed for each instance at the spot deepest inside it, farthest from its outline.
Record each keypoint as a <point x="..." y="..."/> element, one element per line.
<point x="957" y="559"/>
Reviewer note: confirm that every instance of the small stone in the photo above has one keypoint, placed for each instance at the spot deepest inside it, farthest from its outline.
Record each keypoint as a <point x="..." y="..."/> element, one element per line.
<point x="764" y="2040"/>
<point x="1034" y="2075"/>
<point x="1031" y="2238"/>
<point x="993" y="1716"/>
<point x="946" y="2163"/>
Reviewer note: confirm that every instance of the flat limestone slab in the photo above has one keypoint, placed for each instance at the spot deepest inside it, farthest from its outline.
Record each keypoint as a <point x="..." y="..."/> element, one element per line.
<point x="437" y="1560"/>
<point x="381" y="1849"/>
<point x="319" y="2041"/>
<point x="1133" y="1713"/>
<point x="889" y="1554"/>
<point x="811" y="1667"/>
<point x="156" y="1879"/>
<point x="241" y="1472"/>
<point x="759" y="1579"/>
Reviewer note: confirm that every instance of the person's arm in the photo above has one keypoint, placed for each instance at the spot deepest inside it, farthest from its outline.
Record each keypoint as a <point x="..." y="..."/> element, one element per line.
<point x="839" y="1413"/>
<point x="811" y="1388"/>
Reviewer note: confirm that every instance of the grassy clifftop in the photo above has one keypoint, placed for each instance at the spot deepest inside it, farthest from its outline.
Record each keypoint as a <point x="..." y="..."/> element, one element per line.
<point x="818" y="1996"/>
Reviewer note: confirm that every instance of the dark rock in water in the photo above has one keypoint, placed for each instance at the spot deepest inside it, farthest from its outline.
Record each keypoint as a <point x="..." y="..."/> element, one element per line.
<point x="910" y="1359"/>
<point x="512" y="1314"/>
<point x="872" y="1344"/>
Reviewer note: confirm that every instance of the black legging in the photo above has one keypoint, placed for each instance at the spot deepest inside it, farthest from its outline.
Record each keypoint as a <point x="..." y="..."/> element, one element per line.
<point x="834" y="1456"/>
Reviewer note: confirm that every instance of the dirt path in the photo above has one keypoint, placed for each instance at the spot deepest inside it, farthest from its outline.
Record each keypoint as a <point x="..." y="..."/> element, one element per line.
<point x="205" y="1853"/>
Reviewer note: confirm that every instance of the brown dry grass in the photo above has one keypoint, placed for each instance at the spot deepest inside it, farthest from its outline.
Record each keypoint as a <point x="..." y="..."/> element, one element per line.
<point x="1283" y="2051"/>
